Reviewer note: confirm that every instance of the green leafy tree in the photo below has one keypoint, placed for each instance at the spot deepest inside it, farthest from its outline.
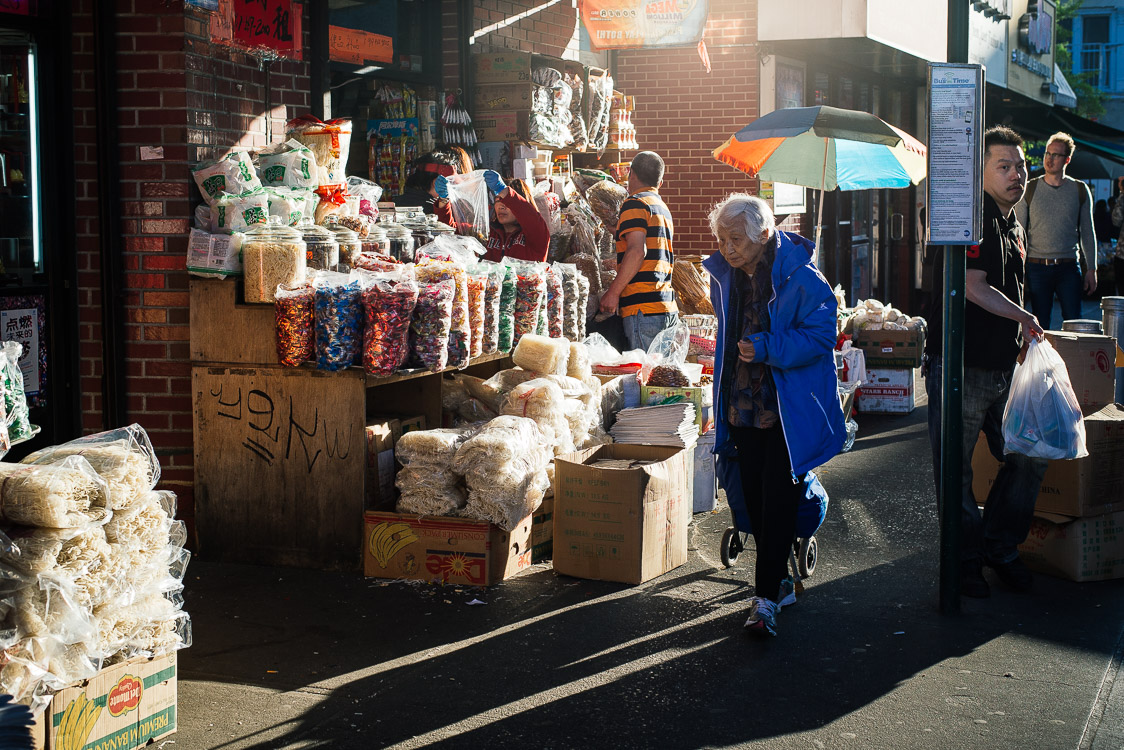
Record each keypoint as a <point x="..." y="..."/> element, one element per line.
<point x="1090" y="98"/>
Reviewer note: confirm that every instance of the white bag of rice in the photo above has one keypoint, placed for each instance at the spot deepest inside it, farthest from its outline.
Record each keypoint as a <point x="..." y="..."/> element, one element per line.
<point x="233" y="173"/>
<point x="236" y="213"/>
<point x="288" y="164"/>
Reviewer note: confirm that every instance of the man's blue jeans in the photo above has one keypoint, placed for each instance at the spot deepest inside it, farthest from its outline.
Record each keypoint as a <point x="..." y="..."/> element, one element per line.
<point x="993" y="536"/>
<point x="1043" y="281"/>
<point x="641" y="329"/>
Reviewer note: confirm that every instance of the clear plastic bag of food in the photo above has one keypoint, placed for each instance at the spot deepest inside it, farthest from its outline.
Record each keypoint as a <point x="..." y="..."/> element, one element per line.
<point x="542" y="400"/>
<point x="549" y="205"/>
<point x="433" y="501"/>
<point x="568" y="274"/>
<point x="288" y="164"/>
<point x="542" y="354"/>
<point x="469" y="202"/>
<point x="237" y="213"/>
<point x="585" y="303"/>
<point x="330" y="143"/>
<point x="16" y="414"/>
<point x="665" y="358"/>
<point x="605" y="199"/>
<point x="369" y="195"/>
<point x="294" y="321"/>
<point x="508" y="296"/>
<point x="431" y="323"/>
<point x="432" y="269"/>
<point x="123" y="457"/>
<point x="493" y="293"/>
<point x="233" y="173"/>
<point x="477" y="305"/>
<point x="437" y="446"/>
<point x="530" y="297"/>
<point x="66" y="494"/>
<point x="147" y="525"/>
<point x="338" y="312"/>
<point x="389" y="300"/>
<point x="555" y="302"/>
<point x="291" y="205"/>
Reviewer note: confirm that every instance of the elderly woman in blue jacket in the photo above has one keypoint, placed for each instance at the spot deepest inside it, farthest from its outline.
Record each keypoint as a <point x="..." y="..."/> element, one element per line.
<point x="777" y="411"/>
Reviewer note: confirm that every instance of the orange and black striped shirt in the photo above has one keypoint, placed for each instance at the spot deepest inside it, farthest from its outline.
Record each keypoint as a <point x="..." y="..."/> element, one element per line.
<point x="649" y="292"/>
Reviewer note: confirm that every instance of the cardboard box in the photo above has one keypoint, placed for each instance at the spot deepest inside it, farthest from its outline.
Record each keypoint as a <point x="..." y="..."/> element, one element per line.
<point x="705" y="494"/>
<point x="1087" y="486"/>
<point x="890" y="348"/>
<point x="1091" y="361"/>
<point x="409" y="424"/>
<point x="502" y="125"/>
<point x="1081" y="549"/>
<point x="134" y="701"/>
<point x="379" y="491"/>
<point x="438" y="548"/>
<point x="542" y="531"/>
<point x="887" y="391"/>
<point x="699" y="396"/>
<point x="627" y="525"/>
<point x="515" y="95"/>
<point x="502" y="67"/>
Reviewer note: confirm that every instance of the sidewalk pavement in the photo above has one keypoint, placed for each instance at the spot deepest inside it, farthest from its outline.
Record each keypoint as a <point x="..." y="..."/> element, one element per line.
<point x="287" y="658"/>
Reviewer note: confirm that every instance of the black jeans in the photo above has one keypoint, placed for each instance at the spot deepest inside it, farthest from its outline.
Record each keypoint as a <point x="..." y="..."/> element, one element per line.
<point x="771" y="499"/>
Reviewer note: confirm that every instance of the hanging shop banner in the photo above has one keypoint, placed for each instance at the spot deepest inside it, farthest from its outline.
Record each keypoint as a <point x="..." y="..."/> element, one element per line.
<point x="634" y="24"/>
<point x="269" y="28"/>
<point x="22" y="319"/>
<point x="359" y="47"/>
<point x="17" y="7"/>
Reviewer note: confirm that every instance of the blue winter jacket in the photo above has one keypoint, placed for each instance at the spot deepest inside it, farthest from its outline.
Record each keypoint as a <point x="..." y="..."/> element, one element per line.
<point x="798" y="348"/>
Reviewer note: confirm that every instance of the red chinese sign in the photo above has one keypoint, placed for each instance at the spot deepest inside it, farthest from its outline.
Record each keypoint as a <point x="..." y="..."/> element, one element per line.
<point x="359" y="47"/>
<point x="18" y="7"/>
<point x="273" y="25"/>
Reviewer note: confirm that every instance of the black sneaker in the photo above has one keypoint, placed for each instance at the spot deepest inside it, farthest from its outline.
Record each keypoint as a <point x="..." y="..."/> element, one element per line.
<point x="972" y="582"/>
<point x="1015" y="576"/>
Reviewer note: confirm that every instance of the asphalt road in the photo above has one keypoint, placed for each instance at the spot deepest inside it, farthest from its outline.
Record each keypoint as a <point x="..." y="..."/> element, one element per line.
<point x="303" y="659"/>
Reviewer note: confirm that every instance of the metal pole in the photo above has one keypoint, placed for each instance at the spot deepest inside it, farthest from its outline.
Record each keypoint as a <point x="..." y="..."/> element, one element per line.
<point x="952" y="376"/>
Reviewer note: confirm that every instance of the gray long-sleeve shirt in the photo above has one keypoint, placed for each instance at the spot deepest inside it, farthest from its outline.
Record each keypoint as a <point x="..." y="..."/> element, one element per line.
<point x="1058" y="226"/>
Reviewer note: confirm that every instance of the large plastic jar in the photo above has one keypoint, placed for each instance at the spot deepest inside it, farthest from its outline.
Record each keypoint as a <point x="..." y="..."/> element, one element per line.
<point x="272" y="254"/>
<point x="350" y="246"/>
<point x="401" y="243"/>
<point x="376" y="241"/>
<point x="323" y="251"/>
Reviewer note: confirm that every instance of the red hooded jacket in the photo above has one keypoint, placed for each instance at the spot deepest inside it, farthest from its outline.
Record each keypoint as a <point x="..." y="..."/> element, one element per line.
<point x="529" y="242"/>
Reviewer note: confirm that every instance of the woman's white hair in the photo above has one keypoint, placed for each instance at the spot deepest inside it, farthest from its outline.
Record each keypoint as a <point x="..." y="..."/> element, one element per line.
<point x="744" y="212"/>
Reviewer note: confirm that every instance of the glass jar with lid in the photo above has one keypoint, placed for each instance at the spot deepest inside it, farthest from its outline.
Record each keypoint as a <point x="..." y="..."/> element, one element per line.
<point x="376" y="241"/>
<point x="348" y="240"/>
<point x="323" y="251"/>
<point x="401" y="243"/>
<point x="272" y="254"/>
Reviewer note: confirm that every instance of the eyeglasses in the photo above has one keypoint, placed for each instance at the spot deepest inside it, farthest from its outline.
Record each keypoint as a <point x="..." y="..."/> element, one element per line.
<point x="1052" y="155"/>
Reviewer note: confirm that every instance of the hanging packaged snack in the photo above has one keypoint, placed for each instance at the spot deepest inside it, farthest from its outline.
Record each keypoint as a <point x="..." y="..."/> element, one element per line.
<point x="338" y="308"/>
<point x="568" y="272"/>
<point x="430" y="269"/>
<point x="388" y="305"/>
<point x="16" y="415"/>
<point x="288" y="164"/>
<point x="233" y="173"/>
<point x="530" y="295"/>
<point x="477" y="292"/>
<point x="237" y="213"/>
<point x="330" y="143"/>
<point x="431" y="323"/>
<point x="273" y="255"/>
<point x="295" y="340"/>
<point x="555" y="302"/>
<point x="492" y="299"/>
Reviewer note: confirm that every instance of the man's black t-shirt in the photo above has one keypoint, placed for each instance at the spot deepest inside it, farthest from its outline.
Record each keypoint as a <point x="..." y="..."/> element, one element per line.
<point x="991" y="342"/>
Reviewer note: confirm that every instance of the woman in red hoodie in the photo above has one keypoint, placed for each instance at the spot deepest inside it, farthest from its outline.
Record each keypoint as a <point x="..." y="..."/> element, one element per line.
<point x="518" y="230"/>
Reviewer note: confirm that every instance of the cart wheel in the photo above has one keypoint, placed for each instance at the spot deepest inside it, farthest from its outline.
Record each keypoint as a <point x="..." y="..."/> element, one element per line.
<point x="731" y="547"/>
<point x="806" y="560"/>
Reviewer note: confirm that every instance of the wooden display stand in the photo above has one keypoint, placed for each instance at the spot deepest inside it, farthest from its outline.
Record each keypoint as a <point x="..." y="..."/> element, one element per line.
<point x="280" y="452"/>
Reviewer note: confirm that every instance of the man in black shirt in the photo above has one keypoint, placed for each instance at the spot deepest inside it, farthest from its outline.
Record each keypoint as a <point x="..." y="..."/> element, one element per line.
<point x="995" y="327"/>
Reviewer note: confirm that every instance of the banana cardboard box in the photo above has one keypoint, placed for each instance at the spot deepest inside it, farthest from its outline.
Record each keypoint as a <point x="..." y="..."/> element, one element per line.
<point x="122" y="707"/>
<point x="441" y="548"/>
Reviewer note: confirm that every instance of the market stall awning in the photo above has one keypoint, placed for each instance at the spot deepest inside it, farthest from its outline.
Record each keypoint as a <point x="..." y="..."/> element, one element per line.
<point x="1064" y="95"/>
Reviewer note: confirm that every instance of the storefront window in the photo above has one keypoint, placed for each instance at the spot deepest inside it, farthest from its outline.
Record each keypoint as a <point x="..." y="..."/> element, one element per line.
<point x="21" y="253"/>
<point x="821" y="89"/>
<point x="384" y="36"/>
<point x="790" y="86"/>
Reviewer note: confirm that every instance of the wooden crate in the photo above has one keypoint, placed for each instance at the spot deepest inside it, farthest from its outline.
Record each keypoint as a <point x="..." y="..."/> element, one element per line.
<point x="280" y="458"/>
<point x="224" y="330"/>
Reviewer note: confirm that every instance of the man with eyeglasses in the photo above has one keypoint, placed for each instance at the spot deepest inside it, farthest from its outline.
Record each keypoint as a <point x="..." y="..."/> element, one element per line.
<point x="1057" y="214"/>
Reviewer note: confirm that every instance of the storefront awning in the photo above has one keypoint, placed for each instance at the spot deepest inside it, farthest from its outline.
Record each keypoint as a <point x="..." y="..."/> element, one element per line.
<point x="1065" y="95"/>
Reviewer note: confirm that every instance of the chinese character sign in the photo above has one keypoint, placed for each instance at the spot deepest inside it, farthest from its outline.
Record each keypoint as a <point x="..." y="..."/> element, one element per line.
<point x="633" y="24"/>
<point x="23" y="326"/>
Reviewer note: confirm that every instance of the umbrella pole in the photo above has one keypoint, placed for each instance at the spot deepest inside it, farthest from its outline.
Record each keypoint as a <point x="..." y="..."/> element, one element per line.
<point x="819" y="208"/>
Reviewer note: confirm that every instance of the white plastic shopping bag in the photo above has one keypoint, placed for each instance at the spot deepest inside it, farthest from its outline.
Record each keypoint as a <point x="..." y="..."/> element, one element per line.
<point x="1042" y="418"/>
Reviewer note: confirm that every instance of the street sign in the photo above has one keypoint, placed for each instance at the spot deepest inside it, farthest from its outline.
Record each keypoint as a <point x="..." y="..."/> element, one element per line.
<point x="955" y="187"/>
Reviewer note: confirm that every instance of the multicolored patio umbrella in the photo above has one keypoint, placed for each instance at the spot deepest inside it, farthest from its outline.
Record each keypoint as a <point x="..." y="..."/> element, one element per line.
<point x="826" y="148"/>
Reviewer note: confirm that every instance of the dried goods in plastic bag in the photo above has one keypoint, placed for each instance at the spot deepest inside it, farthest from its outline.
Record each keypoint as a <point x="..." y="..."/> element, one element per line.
<point x="430" y="269"/>
<point x="555" y="302"/>
<point x="477" y="297"/>
<point x="330" y="143"/>
<point x="233" y="173"/>
<point x="294" y="321"/>
<point x="389" y="300"/>
<point x="16" y="414"/>
<point x="605" y="199"/>
<point x="571" y="310"/>
<point x="238" y="212"/>
<point x="61" y="495"/>
<point x="430" y="324"/>
<point x="123" y="458"/>
<point x="288" y="164"/>
<point x="469" y="203"/>
<point x="508" y="296"/>
<point x="291" y="205"/>
<point x="542" y="354"/>
<point x="493" y="297"/>
<point x="530" y="296"/>
<point x="338" y="312"/>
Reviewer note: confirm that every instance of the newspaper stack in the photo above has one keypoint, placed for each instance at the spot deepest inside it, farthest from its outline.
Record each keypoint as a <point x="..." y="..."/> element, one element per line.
<point x="671" y="425"/>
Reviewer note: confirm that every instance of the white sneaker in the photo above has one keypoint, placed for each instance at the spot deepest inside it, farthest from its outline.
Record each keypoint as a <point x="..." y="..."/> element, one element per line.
<point x="762" y="616"/>
<point x="786" y="597"/>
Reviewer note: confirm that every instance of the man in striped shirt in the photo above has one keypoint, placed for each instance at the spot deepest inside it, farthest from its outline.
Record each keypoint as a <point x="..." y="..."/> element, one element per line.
<point x="642" y="293"/>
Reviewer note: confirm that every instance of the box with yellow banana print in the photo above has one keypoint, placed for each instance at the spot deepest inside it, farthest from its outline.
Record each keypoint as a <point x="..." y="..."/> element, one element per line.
<point x="442" y="548"/>
<point x="121" y="707"/>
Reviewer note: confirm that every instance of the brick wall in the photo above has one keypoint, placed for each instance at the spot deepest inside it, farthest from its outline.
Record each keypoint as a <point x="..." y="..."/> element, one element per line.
<point x="546" y="27"/>
<point x="683" y="113"/>
<point x="196" y="100"/>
